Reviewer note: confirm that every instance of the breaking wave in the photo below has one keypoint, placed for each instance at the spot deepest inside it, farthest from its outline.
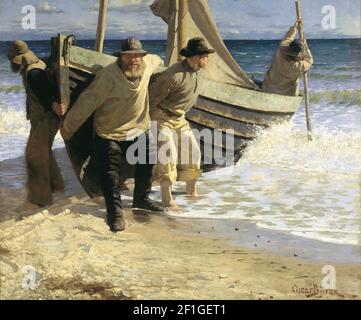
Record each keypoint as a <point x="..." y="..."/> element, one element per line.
<point x="287" y="146"/>
<point x="13" y="122"/>
<point x="14" y="132"/>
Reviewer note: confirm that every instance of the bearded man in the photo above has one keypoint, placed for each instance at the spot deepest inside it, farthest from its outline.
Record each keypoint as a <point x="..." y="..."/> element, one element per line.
<point x="118" y="97"/>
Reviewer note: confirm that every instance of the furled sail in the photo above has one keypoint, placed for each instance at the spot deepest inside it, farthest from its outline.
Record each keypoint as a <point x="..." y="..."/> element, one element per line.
<point x="200" y="22"/>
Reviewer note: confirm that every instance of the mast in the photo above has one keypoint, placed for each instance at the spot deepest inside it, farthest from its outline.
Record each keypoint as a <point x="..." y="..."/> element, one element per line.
<point x="102" y="20"/>
<point x="182" y="25"/>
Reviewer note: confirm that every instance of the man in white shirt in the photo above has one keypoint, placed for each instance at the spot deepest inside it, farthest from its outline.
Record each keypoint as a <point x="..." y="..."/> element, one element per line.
<point x="118" y="97"/>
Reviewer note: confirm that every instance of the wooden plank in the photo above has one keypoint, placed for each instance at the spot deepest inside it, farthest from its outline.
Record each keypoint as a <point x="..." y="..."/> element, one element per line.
<point x="76" y="76"/>
<point x="240" y="114"/>
<point x="217" y="145"/>
<point x="211" y="151"/>
<point x="238" y="138"/>
<point x="249" y="99"/>
<point x="89" y="60"/>
<point x="63" y="72"/>
<point x="216" y="122"/>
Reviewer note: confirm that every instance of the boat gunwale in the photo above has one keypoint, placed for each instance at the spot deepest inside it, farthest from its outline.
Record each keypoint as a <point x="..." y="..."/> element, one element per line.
<point x="271" y="113"/>
<point x="257" y="100"/>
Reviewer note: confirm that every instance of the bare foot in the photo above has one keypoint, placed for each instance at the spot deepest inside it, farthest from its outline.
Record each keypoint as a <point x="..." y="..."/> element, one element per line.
<point x="172" y="206"/>
<point x="192" y="194"/>
<point x="28" y="206"/>
<point x="191" y="188"/>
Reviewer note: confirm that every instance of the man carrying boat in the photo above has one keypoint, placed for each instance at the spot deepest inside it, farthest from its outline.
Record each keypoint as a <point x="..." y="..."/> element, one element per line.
<point x="291" y="60"/>
<point x="43" y="174"/>
<point x="118" y="97"/>
<point x="172" y="95"/>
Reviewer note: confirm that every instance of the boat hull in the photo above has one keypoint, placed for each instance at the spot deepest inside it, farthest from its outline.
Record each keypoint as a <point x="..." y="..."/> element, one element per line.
<point x="230" y="115"/>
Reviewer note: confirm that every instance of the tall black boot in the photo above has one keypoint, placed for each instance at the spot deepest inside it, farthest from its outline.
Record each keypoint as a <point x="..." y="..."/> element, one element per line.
<point x="117" y="222"/>
<point x="110" y="155"/>
<point x="143" y="187"/>
<point x="115" y="213"/>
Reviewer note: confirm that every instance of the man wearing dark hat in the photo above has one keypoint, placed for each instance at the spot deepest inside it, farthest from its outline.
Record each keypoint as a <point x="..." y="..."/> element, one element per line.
<point x="118" y="97"/>
<point x="173" y="93"/>
<point x="290" y="61"/>
<point x="43" y="174"/>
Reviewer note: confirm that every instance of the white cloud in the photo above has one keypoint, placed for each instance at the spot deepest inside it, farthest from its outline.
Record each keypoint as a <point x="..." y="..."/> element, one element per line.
<point x="48" y="8"/>
<point x="119" y="5"/>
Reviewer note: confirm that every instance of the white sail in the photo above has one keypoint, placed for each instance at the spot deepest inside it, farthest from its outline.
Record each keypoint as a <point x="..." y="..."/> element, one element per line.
<point x="200" y="23"/>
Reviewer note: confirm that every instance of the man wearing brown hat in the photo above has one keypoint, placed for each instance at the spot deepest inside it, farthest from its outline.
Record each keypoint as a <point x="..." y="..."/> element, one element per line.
<point x="118" y="97"/>
<point x="171" y="95"/>
<point x="290" y="61"/>
<point x="43" y="175"/>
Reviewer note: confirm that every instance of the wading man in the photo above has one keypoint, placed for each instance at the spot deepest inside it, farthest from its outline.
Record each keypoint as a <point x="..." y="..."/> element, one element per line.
<point x="290" y="61"/>
<point x="118" y="97"/>
<point x="43" y="175"/>
<point x="172" y="94"/>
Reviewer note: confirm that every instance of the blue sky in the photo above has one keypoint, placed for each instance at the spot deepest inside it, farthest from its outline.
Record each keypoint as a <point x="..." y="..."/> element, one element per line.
<point x="237" y="19"/>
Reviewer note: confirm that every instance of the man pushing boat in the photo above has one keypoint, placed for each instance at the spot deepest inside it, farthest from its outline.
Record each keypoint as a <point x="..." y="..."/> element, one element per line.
<point x="172" y="95"/>
<point x="291" y="60"/>
<point x="118" y="97"/>
<point x="43" y="174"/>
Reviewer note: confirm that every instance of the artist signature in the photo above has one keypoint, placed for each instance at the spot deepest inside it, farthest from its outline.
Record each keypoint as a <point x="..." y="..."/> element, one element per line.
<point x="315" y="290"/>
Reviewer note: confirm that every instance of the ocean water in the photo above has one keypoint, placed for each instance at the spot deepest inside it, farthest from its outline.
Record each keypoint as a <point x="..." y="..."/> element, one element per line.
<point x="284" y="182"/>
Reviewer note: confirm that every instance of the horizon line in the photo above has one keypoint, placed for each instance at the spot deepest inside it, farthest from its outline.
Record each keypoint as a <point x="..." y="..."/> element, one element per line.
<point x="93" y="39"/>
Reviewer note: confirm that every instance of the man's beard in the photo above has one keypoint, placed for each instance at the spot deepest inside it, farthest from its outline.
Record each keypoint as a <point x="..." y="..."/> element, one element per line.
<point x="203" y="66"/>
<point x="136" y="72"/>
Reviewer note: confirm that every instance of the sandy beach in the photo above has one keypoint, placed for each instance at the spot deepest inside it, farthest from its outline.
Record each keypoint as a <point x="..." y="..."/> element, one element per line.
<point x="283" y="223"/>
<point x="72" y="255"/>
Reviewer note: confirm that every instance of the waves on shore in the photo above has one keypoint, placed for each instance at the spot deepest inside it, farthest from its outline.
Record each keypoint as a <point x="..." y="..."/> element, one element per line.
<point x="286" y="146"/>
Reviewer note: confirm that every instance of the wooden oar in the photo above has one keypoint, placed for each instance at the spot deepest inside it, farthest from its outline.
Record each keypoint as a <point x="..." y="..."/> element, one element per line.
<point x="102" y="20"/>
<point x="305" y="76"/>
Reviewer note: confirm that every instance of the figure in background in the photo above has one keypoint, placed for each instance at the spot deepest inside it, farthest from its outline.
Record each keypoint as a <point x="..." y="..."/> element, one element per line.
<point x="172" y="94"/>
<point x="291" y="60"/>
<point x="118" y="97"/>
<point x="43" y="174"/>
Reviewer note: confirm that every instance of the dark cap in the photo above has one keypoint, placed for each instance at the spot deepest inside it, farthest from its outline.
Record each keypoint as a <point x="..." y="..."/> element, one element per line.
<point x="196" y="46"/>
<point x="132" y="45"/>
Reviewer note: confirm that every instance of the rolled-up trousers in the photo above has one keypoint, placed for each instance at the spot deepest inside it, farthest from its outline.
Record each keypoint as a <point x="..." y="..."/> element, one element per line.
<point x="182" y="161"/>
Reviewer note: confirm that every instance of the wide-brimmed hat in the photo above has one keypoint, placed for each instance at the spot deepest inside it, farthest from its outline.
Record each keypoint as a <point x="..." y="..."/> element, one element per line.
<point x="196" y="46"/>
<point x="131" y="45"/>
<point x="20" y="53"/>
<point x="294" y="49"/>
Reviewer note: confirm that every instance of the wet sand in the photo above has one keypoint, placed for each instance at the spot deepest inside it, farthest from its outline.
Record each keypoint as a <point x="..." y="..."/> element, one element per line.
<point x="75" y="256"/>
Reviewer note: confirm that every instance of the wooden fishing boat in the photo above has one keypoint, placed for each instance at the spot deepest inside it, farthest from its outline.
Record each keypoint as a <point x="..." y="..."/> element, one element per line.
<point x="229" y="99"/>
